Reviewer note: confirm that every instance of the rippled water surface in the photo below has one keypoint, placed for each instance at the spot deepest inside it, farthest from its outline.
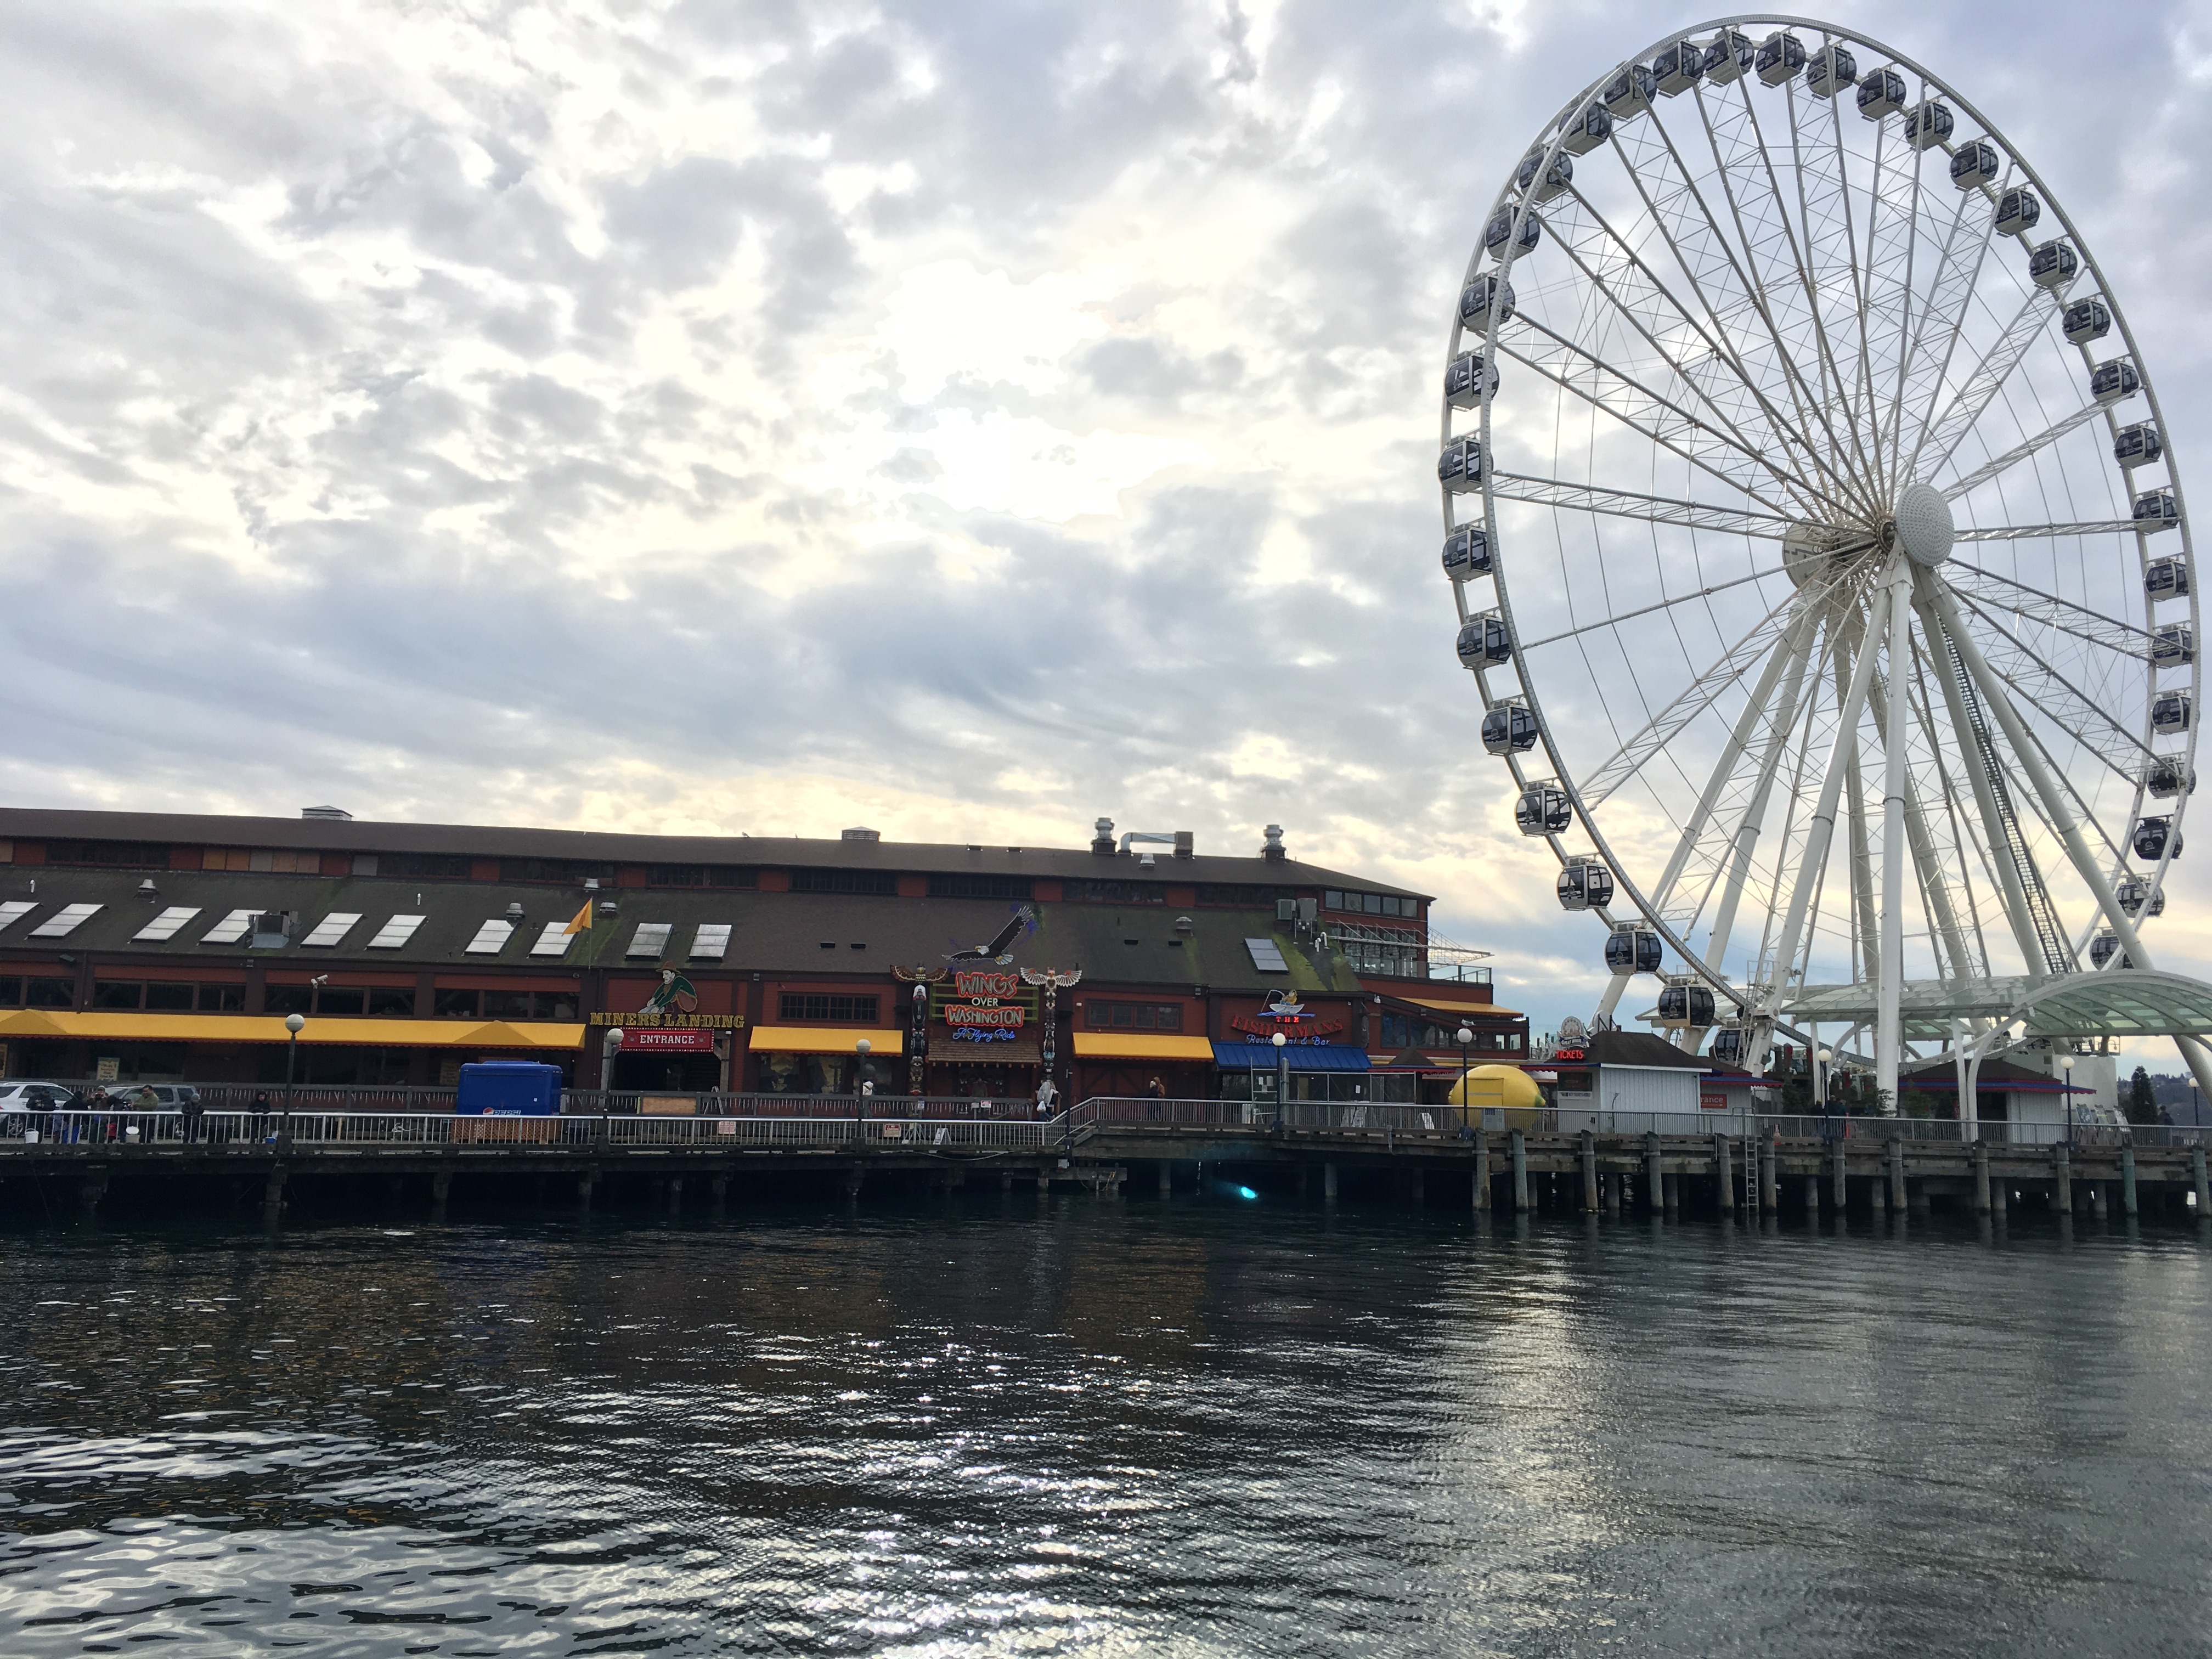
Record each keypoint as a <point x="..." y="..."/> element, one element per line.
<point x="1093" y="1427"/>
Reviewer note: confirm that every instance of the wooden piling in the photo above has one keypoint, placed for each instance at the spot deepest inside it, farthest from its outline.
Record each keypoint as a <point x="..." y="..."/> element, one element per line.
<point x="1519" y="1173"/>
<point x="441" y="1184"/>
<point x="1328" y="1183"/>
<point x="1482" y="1170"/>
<point x="1770" y="1177"/>
<point x="1416" y="1190"/>
<point x="2128" y="1182"/>
<point x="2062" y="1179"/>
<point x="1721" y="1176"/>
<point x="2204" y="1192"/>
<point x="1167" y="1179"/>
<point x="584" y="1185"/>
<point x="1812" y="1198"/>
<point x="1612" y="1194"/>
<point x="1653" y="1195"/>
<point x="1981" y="1177"/>
<point x="1671" y="1186"/>
<point x="1589" y="1173"/>
<point x="1895" y="1151"/>
<point x="272" y="1193"/>
<point x="1878" y="1194"/>
<point x="1838" y="1180"/>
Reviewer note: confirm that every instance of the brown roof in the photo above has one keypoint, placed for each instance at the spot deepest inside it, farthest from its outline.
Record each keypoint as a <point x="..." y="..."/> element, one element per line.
<point x="490" y="840"/>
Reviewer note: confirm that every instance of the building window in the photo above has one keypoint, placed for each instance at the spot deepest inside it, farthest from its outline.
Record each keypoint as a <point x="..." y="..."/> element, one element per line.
<point x="288" y="999"/>
<point x="266" y="859"/>
<point x="341" y="1001"/>
<point x="169" y="994"/>
<point x="1133" y="1016"/>
<point x="110" y="854"/>
<point x="387" y="1001"/>
<point x="424" y="866"/>
<point x="880" y="883"/>
<point x="701" y="875"/>
<point x="530" y="1005"/>
<point x="1247" y="896"/>
<point x="50" y="994"/>
<point x="1371" y="904"/>
<point x="834" y="1010"/>
<point x="222" y="999"/>
<point x="980" y="887"/>
<point x="567" y="872"/>
<point x="458" y="1004"/>
<point x="1115" y="892"/>
<point x="106" y="993"/>
<point x="11" y="992"/>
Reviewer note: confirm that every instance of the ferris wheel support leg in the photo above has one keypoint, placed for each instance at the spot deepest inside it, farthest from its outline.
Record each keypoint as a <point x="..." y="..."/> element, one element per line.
<point x="1754" y="814"/>
<point x="2199" y="1058"/>
<point x="1611" y="999"/>
<point x="2016" y="899"/>
<point x="1820" y="832"/>
<point x="1891" y="985"/>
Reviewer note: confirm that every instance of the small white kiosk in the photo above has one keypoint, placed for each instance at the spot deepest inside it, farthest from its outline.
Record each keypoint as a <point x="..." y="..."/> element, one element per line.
<point x="1612" y="1080"/>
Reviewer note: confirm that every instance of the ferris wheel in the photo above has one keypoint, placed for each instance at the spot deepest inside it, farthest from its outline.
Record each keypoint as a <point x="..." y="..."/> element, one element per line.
<point x="1817" y="549"/>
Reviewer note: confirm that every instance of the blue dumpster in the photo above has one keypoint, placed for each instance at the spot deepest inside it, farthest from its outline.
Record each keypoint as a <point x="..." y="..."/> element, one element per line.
<point x="508" y="1088"/>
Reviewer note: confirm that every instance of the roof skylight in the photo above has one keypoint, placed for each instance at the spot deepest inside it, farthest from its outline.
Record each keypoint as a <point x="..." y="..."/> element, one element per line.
<point x="395" y="932"/>
<point x="64" y="922"/>
<point x="650" y="939"/>
<point x="490" y="939"/>
<point x="1266" y="956"/>
<point x="16" y="909"/>
<point x="331" y="928"/>
<point x="711" y="942"/>
<point x="168" y="925"/>
<point x="553" y="941"/>
<point x="231" y="929"/>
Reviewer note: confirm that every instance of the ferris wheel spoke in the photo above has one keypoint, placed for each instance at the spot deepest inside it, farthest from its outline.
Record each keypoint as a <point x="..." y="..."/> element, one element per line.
<point x="1651" y="509"/>
<point x="1628" y="283"/>
<point x="1943" y="316"/>
<point x="1893" y="245"/>
<point x="2079" y="620"/>
<point x="1940" y="441"/>
<point x="1725" y="453"/>
<point x="1966" y="847"/>
<point x="2036" y="682"/>
<point x="1687" y="705"/>
<point x="1928" y="866"/>
<point x="1786" y="291"/>
<point x="2020" y="451"/>
<point x="1708" y="261"/>
<point x="2036" y="533"/>
<point x="1830" y="261"/>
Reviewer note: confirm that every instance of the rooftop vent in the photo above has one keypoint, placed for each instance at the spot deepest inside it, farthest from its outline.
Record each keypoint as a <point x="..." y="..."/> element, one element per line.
<point x="327" y="812"/>
<point x="1186" y="844"/>
<point x="860" y="833"/>
<point x="1272" y="851"/>
<point x="1101" y="838"/>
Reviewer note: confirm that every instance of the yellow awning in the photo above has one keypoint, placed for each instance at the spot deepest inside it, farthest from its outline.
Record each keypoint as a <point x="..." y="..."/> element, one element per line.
<point x="270" y="1028"/>
<point x="1443" y="1007"/>
<point x="1142" y="1045"/>
<point x="824" y="1040"/>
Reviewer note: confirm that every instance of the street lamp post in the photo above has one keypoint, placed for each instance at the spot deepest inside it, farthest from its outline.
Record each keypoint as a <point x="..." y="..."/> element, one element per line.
<point x="1821" y="1059"/>
<point x="1282" y="1081"/>
<point x="2066" y="1080"/>
<point x="1465" y="1038"/>
<point x="859" y="1092"/>
<point x="294" y="1023"/>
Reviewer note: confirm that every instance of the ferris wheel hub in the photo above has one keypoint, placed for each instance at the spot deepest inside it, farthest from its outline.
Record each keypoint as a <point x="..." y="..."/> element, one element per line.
<point x="1924" y="524"/>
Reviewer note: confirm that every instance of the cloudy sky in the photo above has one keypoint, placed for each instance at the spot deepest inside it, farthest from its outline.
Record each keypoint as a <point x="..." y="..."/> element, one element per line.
<point x="963" y="419"/>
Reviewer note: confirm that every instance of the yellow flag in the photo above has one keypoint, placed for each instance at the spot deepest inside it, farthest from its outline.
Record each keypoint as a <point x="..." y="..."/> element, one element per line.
<point x="580" y="922"/>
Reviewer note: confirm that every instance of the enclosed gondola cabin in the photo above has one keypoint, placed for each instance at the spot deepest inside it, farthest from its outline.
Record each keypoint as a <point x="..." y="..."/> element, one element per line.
<point x="2150" y="839"/>
<point x="2018" y="210"/>
<point x="1467" y="553"/>
<point x="1483" y="640"/>
<point x="2164" y="778"/>
<point x="1631" y="949"/>
<point x="1459" y="469"/>
<point x="2169" y="713"/>
<point x="1975" y="164"/>
<point x="2172" y="646"/>
<point x="1587" y="131"/>
<point x="2134" y="894"/>
<point x="1543" y="809"/>
<point x="1628" y="94"/>
<point x="1683" y="1006"/>
<point x="2104" y="948"/>
<point x="1829" y="70"/>
<point x="2053" y="265"/>
<point x="1882" y="93"/>
<point x="1780" y="56"/>
<point x="1729" y="57"/>
<point x="1509" y="729"/>
<point x="1466" y="382"/>
<point x="1556" y="177"/>
<point x="1479" y="297"/>
<point x="1585" y="884"/>
<point x="2156" y="509"/>
<point x="2114" y="382"/>
<point x="1499" y="231"/>
<point x="2167" y="578"/>
<point x="1727" y="1046"/>
<point x="1928" y="123"/>
<point x="2086" y="321"/>
<point x="2138" y="445"/>
<point x="1678" y="68"/>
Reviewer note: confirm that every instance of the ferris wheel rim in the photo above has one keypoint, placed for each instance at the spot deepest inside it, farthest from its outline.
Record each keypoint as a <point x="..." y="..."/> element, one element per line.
<point x="1527" y="690"/>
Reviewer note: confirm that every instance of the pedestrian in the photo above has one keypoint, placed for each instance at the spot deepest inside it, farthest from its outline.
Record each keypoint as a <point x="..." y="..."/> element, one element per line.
<point x="192" y="1110"/>
<point x="261" y="1108"/>
<point x="1155" y="1092"/>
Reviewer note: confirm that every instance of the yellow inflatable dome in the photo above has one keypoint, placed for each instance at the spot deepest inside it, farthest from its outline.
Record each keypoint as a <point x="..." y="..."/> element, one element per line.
<point x="1505" y="1086"/>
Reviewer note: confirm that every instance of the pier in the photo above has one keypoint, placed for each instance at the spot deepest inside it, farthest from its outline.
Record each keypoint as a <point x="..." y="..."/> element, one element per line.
<point x="346" y="1155"/>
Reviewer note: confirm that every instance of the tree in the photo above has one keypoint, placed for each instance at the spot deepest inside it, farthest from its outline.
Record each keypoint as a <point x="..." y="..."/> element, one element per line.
<point x="2142" y="1102"/>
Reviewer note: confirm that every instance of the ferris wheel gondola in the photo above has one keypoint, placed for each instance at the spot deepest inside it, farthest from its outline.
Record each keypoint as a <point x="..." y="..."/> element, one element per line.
<point x="1817" y="536"/>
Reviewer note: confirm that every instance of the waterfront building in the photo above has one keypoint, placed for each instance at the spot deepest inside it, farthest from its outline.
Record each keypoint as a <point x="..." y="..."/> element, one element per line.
<point x="151" y="946"/>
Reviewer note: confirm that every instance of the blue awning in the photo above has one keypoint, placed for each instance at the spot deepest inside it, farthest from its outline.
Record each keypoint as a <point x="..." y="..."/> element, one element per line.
<point x="1304" y="1056"/>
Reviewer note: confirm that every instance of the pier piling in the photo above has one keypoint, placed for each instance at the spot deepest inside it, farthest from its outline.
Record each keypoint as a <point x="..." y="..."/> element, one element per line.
<point x="1519" y="1173"/>
<point x="1981" y="1177"/>
<point x="2062" y="1179"/>
<point x="2128" y="1182"/>
<point x="1589" y="1173"/>
<point x="1725" y="1180"/>
<point x="2203" y="1191"/>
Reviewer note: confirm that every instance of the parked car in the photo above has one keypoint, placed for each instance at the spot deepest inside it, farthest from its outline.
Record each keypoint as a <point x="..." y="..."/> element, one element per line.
<point x="24" y="1101"/>
<point x="171" y="1097"/>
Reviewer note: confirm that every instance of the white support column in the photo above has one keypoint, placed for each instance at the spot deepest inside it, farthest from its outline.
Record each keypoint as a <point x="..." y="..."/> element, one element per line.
<point x="1754" y="814"/>
<point x="1888" y="991"/>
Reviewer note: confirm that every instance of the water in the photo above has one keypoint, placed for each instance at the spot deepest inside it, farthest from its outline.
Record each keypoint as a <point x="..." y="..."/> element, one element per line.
<point x="1095" y="1427"/>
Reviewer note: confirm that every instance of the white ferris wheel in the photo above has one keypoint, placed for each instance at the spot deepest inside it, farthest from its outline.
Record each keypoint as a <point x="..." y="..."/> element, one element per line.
<point x="1821" y="558"/>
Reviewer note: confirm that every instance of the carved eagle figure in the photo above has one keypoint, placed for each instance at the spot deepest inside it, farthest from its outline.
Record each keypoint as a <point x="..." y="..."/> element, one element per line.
<point x="997" y="950"/>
